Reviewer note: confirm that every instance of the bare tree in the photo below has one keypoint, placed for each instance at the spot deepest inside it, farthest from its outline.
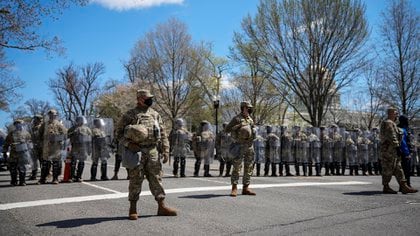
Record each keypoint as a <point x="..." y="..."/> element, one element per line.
<point x="37" y="107"/>
<point x="76" y="88"/>
<point x="253" y="81"/>
<point x="20" y="20"/>
<point x="400" y="57"/>
<point x="313" y="48"/>
<point x="8" y="83"/>
<point x="166" y="58"/>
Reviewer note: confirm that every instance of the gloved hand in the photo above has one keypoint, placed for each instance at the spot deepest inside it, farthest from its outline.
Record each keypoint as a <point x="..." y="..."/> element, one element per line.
<point x="165" y="157"/>
<point x="133" y="147"/>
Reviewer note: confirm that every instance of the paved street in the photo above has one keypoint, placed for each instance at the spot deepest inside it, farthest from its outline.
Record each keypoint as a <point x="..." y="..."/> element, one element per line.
<point x="333" y="205"/>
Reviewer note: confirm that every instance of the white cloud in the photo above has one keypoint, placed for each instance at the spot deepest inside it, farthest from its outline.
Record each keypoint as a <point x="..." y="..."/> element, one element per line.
<point x="122" y="5"/>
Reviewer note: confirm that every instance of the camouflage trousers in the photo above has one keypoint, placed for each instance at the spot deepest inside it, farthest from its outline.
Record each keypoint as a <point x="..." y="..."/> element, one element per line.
<point x="247" y="156"/>
<point x="150" y="168"/>
<point x="391" y="165"/>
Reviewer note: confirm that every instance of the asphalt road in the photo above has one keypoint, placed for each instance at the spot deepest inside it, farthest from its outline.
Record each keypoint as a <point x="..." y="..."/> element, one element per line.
<point x="333" y="205"/>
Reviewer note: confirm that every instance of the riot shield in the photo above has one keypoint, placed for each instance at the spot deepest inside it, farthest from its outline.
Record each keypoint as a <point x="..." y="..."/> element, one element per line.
<point x="273" y="142"/>
<point x="287" y="146"/>
<point x="315" y="145"/>
<point x="326" y="145"/>
<point x="259" y="149"/>
<point x="351" y="148"/>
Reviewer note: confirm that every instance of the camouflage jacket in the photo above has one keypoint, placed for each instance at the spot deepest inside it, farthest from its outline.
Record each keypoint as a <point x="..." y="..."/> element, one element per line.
<point x="236" y="124"/>
<point x="133" y="117"/>
<point x="390" y="137"/>
<point x="14" y="139"/>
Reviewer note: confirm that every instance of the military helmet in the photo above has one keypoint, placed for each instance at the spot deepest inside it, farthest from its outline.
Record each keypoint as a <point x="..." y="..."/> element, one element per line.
<point x="52" y="112"/>
<point x="98" y="122"/>
<point x="246" y="104"/>
<point x="179" y="123"/>
<point x="144" y="93"/>
<point x="37" y="117"/>
<point x="18" y="121"/>
<point x="81" y="120"/>
<point x="269" y="129"/>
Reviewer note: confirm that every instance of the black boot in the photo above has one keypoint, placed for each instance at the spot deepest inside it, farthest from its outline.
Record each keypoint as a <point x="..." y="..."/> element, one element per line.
<point x="376" y="168"/>
<point x="364" y="169"/>
<point x="22" y="175"/>
<point x="305" y="169"/>
<point x="274" y="170"/>
<point x="266" y="167"/>
<point x="118" y="159"/>
<point x="318" y="169"/>
<point x="56" y="171"/>
<point x="327" y="169"/>
<point x="343" y="168"/>
<point x="104" y="170"/>
<point x="93" y="171"/>
<point x="418" y="170"/>
<point x="297" y="169"/>
<point x="197" y="167"/>
<point x="332" y="169"/>
<point x="33" y="175"/>
<point x="176" y="165"/>
<point x="356" y="169"/>
<point x="183" y="163"/>
<point x="281" y="169"/>
<point x="80" y="167"/>
<point x="369" y="168"/>
<point x="258" y="167"/>
<point x="337" y="168"/>
<point x="73" y="169"/>
<point x="221" y="167"/>
<point x="207" y="171"/>
<point x="287" y="167"/>
<point x="45" y="167"/>
<point x="13" y="173"/>
<point x="228" y="167"/>
<point x="310" y="166"/>
<point x="351" y="170"/>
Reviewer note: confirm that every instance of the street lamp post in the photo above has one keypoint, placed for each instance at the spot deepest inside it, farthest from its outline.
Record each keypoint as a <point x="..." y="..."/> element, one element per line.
<point x="216" y="103"/>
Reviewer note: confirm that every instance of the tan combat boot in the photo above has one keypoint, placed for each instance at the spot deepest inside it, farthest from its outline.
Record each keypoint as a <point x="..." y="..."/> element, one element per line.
<point x="388" y="190"/>
<point x="247" y="191"/>
<point x="234" y="191"/>
<point x="406" y="189"/>
<point x="132" y="214"/>
<point x="164" y="210"/>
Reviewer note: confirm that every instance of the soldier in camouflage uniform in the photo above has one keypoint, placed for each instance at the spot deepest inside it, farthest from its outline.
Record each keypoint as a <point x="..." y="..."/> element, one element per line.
<point x="286" y="150"/>
<point x="19" y="140"/>
<point x="81" y="147"/>
<point x="37" y="149"/>
<point x="272" y="152"/>
<point x="299" y="149"/>
<point x="53" y="136"/>
<point x="373" y="164"/>
<point x="153" y="141"/>
<point x="243" y="132"/>
<point x="100" y="150"/>
<point x="223" y="141"/>
<point x="390" y="137"/>
<point x="337" y="142"/>
<point x="179" y="137"/>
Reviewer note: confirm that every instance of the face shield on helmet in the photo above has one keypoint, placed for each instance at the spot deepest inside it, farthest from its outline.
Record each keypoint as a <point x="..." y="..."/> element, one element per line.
<point x="179" y="123"/>
<point x="81" y="120"/>
<point x="99" y="123"/>
<point x="205" y="126"/>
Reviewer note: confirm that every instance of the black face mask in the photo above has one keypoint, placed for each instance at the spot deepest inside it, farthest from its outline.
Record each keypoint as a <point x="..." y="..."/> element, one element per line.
<point x="250" y="110"/>
<point x="148" y="102"/>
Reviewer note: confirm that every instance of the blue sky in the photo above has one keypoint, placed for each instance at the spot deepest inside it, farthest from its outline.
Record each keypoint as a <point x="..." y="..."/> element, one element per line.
<point x="101" y="33"/>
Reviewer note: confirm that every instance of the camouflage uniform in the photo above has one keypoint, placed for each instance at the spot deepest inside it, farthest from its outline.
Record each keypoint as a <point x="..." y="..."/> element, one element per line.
<point x="286" y="149"/>
<point x="327" y="148"/>
<point x="204" y="148"/>
<point x="223" y="141"/>
<point x="155" y="141"/>
<point x="53" y="136"/>
<point x="100" y="150"/>
<point x="81" y="147"/>
<point x="243" y="133"/>
<point x="390" y="137"/>
<point x="19" y="140"/>
<point x="299" y="150"/>
<point x="179" y="137"/>
<point x="272" y="152"/>
<point x="338" y="148"/>
<point x="37" y="149"/>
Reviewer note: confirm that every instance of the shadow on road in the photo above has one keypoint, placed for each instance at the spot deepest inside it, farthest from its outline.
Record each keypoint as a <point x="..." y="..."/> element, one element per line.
<point x="205" y="196"/>
<point x="364" y="193"/>
<point x="72" y="223"/>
